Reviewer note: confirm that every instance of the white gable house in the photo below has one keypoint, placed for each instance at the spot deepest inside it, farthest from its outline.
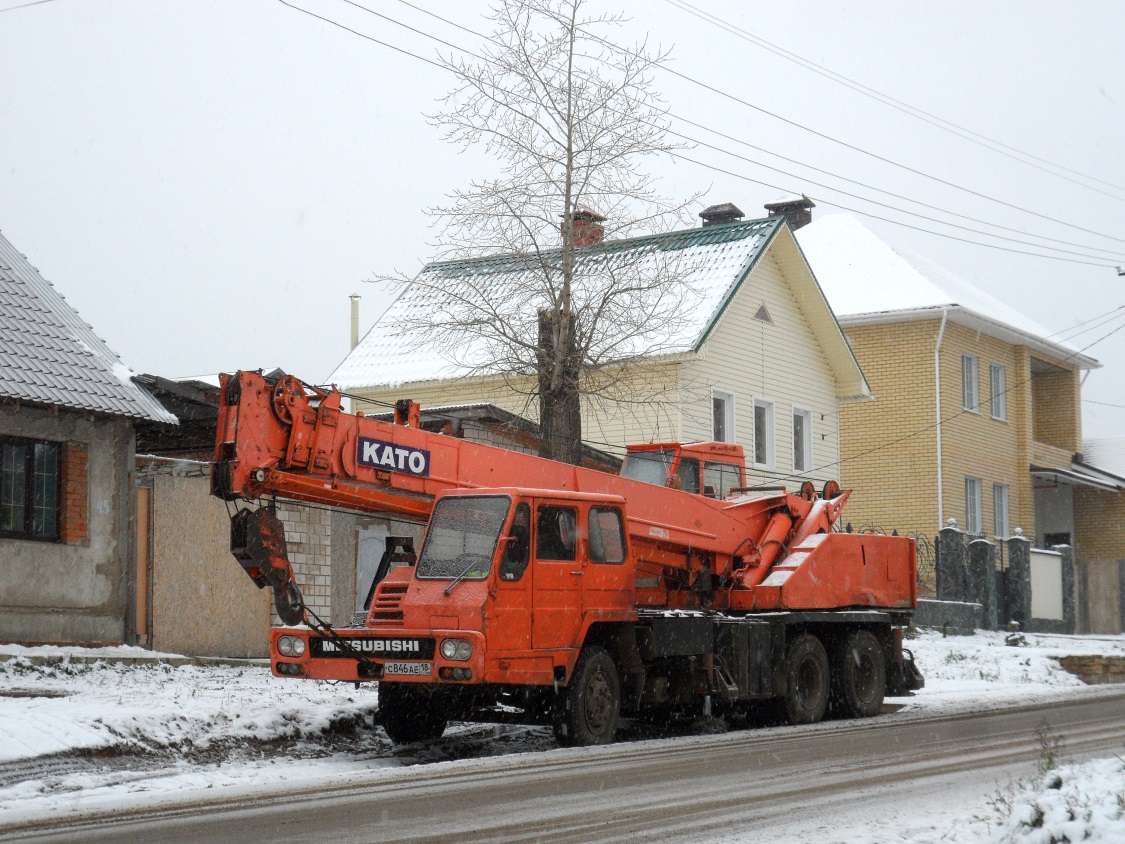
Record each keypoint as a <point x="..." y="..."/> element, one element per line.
<point x="754" y="356"/>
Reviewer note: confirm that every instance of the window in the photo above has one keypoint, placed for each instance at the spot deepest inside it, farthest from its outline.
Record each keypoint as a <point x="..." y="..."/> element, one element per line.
<point x="802" y="440"/>
<point x="763" y="433"/>
<point x="687" y="475"/>
<point x="29" y="489"/>
<point x="719" y="479"/>
<point x="1000" y="510"/>
<point x="462" y="537"/>
<point x="648" y="466"/>
<point x="970" y="397"/>
<point x="607" y="536"/>
<point x="972" y="506"/>
<point x="556" y="533"/>
<point x="722" y="416"/>
<point x="998" y="389"/>
<point x="518" y="552"/>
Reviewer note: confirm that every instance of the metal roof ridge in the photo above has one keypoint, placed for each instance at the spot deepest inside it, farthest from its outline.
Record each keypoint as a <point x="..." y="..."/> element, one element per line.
<point x="614" y="245"/>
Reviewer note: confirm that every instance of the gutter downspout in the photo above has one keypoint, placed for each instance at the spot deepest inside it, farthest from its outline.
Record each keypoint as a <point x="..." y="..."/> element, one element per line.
<point x="937" y="396"/>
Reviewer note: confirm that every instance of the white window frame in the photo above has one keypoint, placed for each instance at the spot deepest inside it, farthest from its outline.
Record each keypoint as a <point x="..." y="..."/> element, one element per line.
<point x="727" y="397"/>
<point x="1000" y="515"/>
<point x="807" y="415"/>
<point x="973" y="512"/>
<point x="768" y="406"/>
<point x="970" y="383"/>
<point x="997" y="391"/>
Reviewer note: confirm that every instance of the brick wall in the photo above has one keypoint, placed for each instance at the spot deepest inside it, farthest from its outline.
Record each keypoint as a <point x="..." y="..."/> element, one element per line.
<point x="74" y="494"/>
<point x="1058" y="409"/>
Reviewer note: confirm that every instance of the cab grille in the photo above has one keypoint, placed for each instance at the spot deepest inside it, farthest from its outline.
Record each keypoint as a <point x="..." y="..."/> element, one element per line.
<point x="386" y="608"/>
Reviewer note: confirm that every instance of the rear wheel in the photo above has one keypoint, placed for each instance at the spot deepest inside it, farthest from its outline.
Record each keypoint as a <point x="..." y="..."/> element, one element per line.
<point x="411" y="712"/>
<point x="806" y="695"/>
<point x="860" y="676"/>
<point x="587" y="710"/>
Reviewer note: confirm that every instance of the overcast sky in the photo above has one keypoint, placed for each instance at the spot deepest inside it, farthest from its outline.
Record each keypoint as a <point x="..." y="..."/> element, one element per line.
<point x="207" y="182"/>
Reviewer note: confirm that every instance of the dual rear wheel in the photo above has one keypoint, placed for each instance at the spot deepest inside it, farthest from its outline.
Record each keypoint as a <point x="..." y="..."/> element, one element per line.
<point x="851" y="681"/>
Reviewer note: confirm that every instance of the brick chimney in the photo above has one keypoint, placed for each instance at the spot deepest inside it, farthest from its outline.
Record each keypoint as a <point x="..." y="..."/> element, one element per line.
<point x="717" y="215"/>
<point x="797" y="210"/>
<point x="588" y="228"/>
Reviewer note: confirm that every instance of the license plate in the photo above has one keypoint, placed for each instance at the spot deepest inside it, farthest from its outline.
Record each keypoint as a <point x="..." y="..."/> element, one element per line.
<point x="424" y="669"/>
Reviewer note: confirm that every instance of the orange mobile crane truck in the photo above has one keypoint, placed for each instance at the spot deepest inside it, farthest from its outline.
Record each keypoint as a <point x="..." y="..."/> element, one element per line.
<point x="560" y="594"/>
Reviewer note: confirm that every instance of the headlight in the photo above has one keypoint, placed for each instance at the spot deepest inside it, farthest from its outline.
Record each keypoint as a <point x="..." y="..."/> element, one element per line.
<point x="291" y="646"/>
<point x="458" y="649"/>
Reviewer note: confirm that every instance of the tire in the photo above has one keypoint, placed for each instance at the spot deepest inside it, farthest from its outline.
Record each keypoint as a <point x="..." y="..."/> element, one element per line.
<point x="806" y="667"/>
<point x="587" y="710"/>
<point x="859" y="676"/>
<point x="410" y="713"/>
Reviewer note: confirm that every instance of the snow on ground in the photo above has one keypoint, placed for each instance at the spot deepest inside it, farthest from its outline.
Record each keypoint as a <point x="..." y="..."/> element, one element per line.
<point x="77" y="734"/>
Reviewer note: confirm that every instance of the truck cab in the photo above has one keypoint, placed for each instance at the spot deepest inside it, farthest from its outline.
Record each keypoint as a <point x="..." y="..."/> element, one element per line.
<point x="712" y="469"/>
<point x="505" y="589"/>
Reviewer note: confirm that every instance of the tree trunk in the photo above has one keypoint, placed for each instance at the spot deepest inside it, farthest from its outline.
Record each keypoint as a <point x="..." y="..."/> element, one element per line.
<point x="560" y="410"/>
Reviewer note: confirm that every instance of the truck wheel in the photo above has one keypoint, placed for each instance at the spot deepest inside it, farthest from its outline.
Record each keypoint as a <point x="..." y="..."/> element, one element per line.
<point x="410" y="713"/>
<point x="860" y="679"/>
<point x="806" y="696"/>
<point x="586" y="711"/>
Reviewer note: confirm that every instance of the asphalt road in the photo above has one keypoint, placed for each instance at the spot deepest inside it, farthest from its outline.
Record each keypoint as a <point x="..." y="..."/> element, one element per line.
<point x="697" y="788"/>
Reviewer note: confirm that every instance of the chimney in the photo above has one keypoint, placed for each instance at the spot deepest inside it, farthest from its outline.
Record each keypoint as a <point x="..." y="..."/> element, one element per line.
<point x="797" y="210"/>
<point x="588" y="228"/>
<point x="355" y="319"/>
<point x="717" y="215"/>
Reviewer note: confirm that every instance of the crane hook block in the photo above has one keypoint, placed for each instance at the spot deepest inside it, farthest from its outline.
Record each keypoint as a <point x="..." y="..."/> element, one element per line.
<point x="257" y="541"/>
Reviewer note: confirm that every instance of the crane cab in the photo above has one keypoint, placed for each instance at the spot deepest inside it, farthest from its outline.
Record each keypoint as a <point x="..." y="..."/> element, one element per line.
<point x="712" y="469"/>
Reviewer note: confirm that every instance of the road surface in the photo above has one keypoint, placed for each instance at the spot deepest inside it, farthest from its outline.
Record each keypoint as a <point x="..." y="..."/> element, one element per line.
<point x="791" y="783"/>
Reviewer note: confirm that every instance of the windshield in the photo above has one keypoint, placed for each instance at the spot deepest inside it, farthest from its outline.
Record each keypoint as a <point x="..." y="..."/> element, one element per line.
<point x="648" y="466"/>
<point x="462" y="537"/>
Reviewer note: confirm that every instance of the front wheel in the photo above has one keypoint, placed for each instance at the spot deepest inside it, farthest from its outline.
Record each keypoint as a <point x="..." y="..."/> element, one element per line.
<point x="410" y="712"/>
<point x="587" y="710"/>
<point x="806" y="665"/>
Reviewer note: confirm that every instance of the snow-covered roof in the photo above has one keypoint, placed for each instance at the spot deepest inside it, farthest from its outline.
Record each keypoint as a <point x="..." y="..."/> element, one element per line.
<point x="49" y="355"/>
<point x="714" y="260"/>
<point x="1105" y="453"/>
<point x="867" y="280"/>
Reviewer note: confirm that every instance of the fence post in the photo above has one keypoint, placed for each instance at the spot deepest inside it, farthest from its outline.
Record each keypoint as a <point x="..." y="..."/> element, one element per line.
<point x="982" y="579"/>
<point x="951" y="570"/>
<point x="1070" y="605"/>
<point x="1019" y="579"/>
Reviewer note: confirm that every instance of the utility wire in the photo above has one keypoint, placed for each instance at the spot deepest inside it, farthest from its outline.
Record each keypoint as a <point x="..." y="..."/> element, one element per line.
<point x="1097" y="260"/>
<point x="25" y="5"/>
<point x="434" y="15"/>
<point x="939" y="122"/>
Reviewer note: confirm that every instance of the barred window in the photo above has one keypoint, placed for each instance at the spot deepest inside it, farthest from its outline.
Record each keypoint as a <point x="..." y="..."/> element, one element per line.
<point x="29" y="489"/>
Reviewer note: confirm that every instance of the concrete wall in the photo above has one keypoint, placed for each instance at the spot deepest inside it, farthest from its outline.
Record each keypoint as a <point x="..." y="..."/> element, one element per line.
<point x="202" y="603"/>
<point x="76" y="592"/>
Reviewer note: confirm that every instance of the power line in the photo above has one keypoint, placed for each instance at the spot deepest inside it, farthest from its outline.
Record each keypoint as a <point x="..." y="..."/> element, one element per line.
<point x="1098" y="260"/>
<point x="918" y="113"/>
<point x="25" y="5"/>
<point x="893" y="222"/>
<point x="742" y="142"/>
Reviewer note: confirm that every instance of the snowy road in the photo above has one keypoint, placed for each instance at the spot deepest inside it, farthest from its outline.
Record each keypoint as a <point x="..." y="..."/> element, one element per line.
<point x="783" y="784"/>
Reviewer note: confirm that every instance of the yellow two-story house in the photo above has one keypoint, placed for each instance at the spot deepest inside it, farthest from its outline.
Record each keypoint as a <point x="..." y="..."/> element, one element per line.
<point x="977" y="411"/>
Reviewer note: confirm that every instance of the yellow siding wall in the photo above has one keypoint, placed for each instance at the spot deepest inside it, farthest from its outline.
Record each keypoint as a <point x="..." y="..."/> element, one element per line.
<point x="976" y="445"/>
<point x="1058" y="409"/>
<point x="782" y="363"/>
<point x="894" y="485"/>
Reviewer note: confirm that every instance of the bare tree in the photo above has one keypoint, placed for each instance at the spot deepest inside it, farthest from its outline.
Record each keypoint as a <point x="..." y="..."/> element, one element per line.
<point x="562" y="310"/>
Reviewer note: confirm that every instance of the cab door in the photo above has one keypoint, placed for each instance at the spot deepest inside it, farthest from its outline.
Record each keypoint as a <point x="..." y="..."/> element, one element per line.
<point x="558" y="574"/>
<point x="608" y="582"/>
<point x="508" y="614"/>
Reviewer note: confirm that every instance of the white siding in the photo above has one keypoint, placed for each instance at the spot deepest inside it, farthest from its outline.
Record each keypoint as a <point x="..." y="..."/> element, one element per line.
<point x="782" y="363"/>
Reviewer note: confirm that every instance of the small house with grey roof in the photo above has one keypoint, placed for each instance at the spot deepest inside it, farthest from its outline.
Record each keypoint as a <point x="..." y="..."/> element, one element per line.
<point x="754" y="355"/>
<point x="67" y="410"/>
